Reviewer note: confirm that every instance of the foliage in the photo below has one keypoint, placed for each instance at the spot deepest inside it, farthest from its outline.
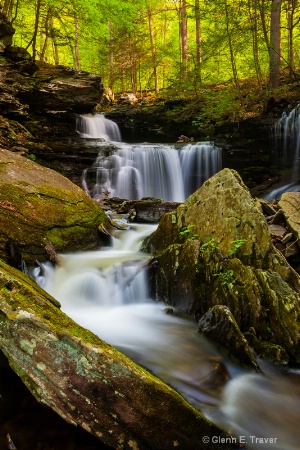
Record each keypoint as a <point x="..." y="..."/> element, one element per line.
<point x="144" y="44"/>
<point x="31" y="156"/>
<point x="187" y="232"/>
<point x="216" y="265"/>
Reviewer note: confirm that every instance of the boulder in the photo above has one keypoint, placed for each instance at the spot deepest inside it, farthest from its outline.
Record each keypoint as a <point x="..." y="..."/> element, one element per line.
<point x="16" y="53"/>
<point x="290" y="206"/>
<point x="218" y="324"/>
<point x="89" y="383"/>
<point x="216" y="249"/>
<point x="39" y="206"/>
<point x="6" y="32"/>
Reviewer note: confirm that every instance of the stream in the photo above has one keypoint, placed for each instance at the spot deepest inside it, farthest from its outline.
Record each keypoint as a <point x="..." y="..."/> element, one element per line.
<point x="107" y="292"/>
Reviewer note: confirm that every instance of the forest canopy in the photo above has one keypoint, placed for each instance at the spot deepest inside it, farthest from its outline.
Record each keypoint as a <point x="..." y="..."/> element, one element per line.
<point x="149" y="44"/>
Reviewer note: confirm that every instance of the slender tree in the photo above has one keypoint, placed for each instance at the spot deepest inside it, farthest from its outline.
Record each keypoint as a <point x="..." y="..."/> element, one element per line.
<point x="275" y="49"/>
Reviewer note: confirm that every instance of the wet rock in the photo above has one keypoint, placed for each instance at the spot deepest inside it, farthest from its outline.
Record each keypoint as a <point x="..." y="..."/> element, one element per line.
<point x="216" y="248"/>
<point x="86" y="381"/>
<point x="38" y="206"/>
<point x="267" y="207"/>
<point x="150" y="210"/>
<point x="279" y="217"/>
<point x="219" y="325"/>
<point x="277" y="230"/>
<point x="290" y="206"/>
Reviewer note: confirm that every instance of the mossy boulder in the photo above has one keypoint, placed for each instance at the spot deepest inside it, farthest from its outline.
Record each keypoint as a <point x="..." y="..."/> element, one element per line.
<point x="88" y="382"/>
<point x="38" y="206"/>
<point x="216" y="249"/>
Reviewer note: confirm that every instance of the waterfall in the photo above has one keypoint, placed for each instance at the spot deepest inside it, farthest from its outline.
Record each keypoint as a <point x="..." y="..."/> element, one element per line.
<point x="98" y="127"/>
<point x="287" y="148"/>
<point x="287" y="134"/>
<point x="106" y="292"/>
<point x="198" y="163"/>
<point x="145" y="170"/>
<point x="148" y="170"/>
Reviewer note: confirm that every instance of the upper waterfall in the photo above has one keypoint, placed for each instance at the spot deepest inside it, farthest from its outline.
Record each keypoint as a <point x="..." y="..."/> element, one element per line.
<point x="287" y="134"/>
<point x="134" y="171"/>
<point x="97" y="126"/>
<point x="287" y="149"/>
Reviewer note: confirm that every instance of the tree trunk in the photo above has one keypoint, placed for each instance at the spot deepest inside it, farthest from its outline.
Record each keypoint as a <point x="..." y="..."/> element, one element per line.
<point x="36" y="27"/>
<point x="262" y="7"/>
<point x="77" y="61"/>
<point x="111" y="56"/>
<point x="292" y="5"/>
<point x="183" y="37"/>
<point x="7" y="9"/>
<point x="153" y="49"/>
<point x="54" y="42"/>
<point x="198" y="41"/>
<point x="253" y="15"/>
<point x="44" y="48"/>
<point x="232" y="57"/>
<point x="275" y="53"/>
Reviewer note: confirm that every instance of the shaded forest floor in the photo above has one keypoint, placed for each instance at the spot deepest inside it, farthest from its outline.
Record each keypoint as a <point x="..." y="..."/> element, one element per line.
<point x="207" y="111"/>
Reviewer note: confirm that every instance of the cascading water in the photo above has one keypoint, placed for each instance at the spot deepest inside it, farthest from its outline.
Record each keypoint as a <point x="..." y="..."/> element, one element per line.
<point x="287" y="134"/>
<point x="106" y="291"/>
<point x="147" y="170"/>
<point x="287" y="148"/>
<point x="98" y="127"/>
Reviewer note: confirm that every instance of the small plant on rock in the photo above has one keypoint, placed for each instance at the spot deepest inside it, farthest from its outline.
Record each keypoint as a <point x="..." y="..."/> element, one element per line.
<point x="187" y="232"/>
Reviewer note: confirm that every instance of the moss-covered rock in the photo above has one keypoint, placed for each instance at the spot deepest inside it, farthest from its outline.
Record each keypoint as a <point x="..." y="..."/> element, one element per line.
<point x="88" y="382"/>
<point x="216" y="249"/>
<point x="37" y="205"/>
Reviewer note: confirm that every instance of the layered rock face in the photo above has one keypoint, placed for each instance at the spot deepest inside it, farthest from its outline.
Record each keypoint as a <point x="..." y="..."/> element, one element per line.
<point x="39" y="104"/>
<point x="41" y="208"/>
<point x="215" y="249"/>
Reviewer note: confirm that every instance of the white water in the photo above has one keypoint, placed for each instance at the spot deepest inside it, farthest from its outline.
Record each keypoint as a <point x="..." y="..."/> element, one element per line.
<point x="287" y="145"/>
<point x="148" y="170"/>
<point x="287" y="134"/>
<point x="106" y="291"/>
<point x="98" y="127"/>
